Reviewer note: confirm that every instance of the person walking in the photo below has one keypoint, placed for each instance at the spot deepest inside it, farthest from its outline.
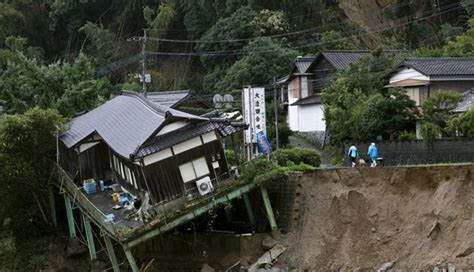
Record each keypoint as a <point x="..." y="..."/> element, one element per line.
<point x="353" y="154"/>
<point x="373" y="152"/>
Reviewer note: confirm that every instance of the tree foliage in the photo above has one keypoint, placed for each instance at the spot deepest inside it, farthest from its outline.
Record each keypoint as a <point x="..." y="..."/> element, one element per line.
<point x="354" y="106"/>
<point x="257" y="68"/>
<point x="436" y="109"/>
<point x="27" y="153"/>
<point x="70" y="88"/>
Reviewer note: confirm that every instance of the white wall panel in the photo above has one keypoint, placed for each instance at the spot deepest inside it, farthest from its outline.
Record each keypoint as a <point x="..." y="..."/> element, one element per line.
<point x="158" y="156"/>
<point x="407" y="73"/>
<point x="209" y="137"/>
<point x="187" y="145"/>
<point x="171" y="127"/>
<point x="311" y="118"/>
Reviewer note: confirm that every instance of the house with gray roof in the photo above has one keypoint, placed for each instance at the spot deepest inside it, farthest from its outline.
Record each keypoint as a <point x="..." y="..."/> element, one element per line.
<point x="182" y="100"/>
<point x="424" y="77"/>
<point x="301" y="88"/>
<point x="145" y="147"/>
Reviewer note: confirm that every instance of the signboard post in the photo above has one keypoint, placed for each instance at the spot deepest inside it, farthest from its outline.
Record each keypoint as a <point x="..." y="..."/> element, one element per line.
<point x="253" y="103"/>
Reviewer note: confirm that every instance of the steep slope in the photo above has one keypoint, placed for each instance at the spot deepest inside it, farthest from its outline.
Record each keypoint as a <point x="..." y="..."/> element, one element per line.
<point x="418" y="218"/>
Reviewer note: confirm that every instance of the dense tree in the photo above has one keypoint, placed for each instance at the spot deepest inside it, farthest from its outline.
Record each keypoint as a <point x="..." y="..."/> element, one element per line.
<point x="27" y="153"/>
<point x="388" y="114"/>
<point x="69" y="87"/>
<point x="257" y="67"/>
<point x="436" y="109"/>
<point x="346" y="98"/>
<point x="462" y="125"/>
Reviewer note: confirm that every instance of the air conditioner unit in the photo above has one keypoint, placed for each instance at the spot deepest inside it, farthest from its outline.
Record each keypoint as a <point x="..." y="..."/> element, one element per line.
<point x="204" y="186"/>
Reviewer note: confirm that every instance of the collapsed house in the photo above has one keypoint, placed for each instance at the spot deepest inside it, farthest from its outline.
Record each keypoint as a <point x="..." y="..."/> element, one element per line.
<point x="146" y="148"/>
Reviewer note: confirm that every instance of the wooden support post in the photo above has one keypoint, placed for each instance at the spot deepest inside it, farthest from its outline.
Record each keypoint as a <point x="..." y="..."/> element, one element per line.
<point x="248" y="206"/>
<point x="131" y="260"/>
<point x="89" y="237"/>
<point x="111" y="254"/>
<point x="70" y="217"/>
<point x="268" y="208"/>
<point x="52" y="204"/>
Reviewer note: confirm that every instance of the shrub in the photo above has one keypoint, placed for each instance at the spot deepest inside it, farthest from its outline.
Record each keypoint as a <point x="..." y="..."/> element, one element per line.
<point x="285" y="157"/>
<point x="407" y="136"/>
<point x="233" y="159"/>
<point x="254" y="168"/>
<point x="430" y="132"/>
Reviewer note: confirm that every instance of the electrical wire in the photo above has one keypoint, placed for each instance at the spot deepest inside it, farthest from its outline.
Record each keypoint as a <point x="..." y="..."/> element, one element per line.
<point x="246" y="52"/>
<point x="372" y="14"/>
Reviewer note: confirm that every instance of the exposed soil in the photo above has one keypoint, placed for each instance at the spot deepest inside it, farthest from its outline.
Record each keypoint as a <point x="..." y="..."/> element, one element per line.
<point x="418" y="218"/>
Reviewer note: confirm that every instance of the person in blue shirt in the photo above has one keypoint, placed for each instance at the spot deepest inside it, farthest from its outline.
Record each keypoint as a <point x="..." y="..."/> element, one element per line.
<point x="353" y="154"/>
<point x="373" y="153"/>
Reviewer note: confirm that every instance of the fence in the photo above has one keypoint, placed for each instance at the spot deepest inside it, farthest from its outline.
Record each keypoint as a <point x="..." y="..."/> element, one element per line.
<point x="415" y="152"/>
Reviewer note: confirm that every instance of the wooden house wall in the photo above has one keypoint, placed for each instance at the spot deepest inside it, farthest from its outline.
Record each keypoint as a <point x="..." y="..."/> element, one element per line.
<point x="322" y="72"/>
<point x="94" y="163"/>
<point x="136" y="169"/>
<point x="68" y="160"/>
<point x="164" y="177"/>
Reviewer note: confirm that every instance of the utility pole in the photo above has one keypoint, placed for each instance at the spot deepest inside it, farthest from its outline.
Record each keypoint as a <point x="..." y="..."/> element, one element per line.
<point x="143" y="40"/>
<point x="144" y="62"/>
<point x="276" y="113"/>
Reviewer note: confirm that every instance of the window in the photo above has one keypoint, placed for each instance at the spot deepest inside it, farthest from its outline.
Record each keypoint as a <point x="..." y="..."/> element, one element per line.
<point x="194" y="169"/>
<point x="414" y="94"/>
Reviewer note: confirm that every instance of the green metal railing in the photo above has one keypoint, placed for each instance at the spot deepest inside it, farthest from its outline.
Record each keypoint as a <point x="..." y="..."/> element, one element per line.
<point x="67" y="186"/>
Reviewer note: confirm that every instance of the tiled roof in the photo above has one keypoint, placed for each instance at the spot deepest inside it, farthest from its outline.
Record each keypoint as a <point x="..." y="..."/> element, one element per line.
<point x="341" y="59"/>
<point x="124" y="123"/>
<point x="302" y="64"/>
<point x="159" y="143"/>
<point x="467" y="102"/>
<point x="168" y="98"/>
<point x="442" y="66"/>
<point x="310" y="100"/>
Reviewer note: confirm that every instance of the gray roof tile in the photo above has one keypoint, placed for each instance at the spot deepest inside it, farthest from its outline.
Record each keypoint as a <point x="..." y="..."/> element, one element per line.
<point x="310" y="100"/>
<point x="442" y="66"/>
<point x="302" y="64"/>
<point x="341" y="59"/>
<point x="467" y="102"/>
<point x="168" y="98"/>
<point x="124" y="122"/>
<point x="224" y="128"/>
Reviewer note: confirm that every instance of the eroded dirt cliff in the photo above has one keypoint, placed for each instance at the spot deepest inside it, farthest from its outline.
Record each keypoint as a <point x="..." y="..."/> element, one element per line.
<point x="417" y="218"/>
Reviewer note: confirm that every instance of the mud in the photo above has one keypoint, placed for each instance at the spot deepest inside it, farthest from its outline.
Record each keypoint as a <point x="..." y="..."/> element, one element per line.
<point x="418" y="218"/>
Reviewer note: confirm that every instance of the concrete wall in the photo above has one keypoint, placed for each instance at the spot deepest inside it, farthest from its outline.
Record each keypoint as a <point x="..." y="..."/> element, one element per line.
<point x="414" y="152"/>
<point x="311" y="118"/>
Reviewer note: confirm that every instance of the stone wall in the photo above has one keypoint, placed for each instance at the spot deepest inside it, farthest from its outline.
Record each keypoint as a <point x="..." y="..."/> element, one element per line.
<point x="414" y="152"/>
<point x="315" y="137"/>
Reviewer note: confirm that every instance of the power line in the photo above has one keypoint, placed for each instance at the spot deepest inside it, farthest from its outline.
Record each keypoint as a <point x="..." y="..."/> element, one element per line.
<point x="274" y="35"/>
<point x="246" y="52"/>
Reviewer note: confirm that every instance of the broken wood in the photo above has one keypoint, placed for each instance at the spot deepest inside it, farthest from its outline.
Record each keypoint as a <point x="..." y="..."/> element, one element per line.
<point x="434" y="227"/>
<point x="268" y="258"/>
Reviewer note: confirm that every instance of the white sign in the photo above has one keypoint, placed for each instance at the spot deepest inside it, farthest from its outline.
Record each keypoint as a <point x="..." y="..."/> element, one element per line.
<point x="254" y="112"/>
